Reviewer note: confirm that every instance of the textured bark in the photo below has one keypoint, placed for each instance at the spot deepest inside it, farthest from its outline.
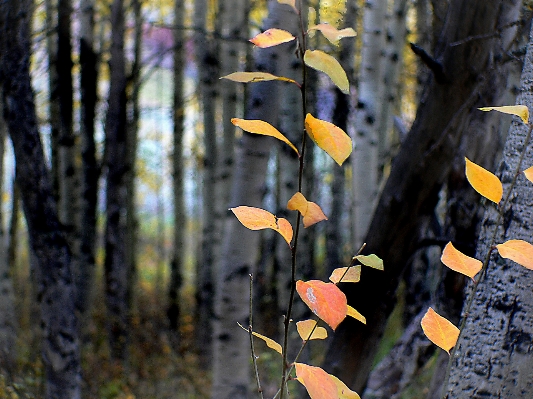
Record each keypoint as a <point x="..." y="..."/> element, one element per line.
<point x="493" y="357"/>
<point x="231" y="372"/>
<point x="8" y="321"/>
<point x="206" y="53"/>
<point x="90" y="172"/>
<point x="178" y="117"/>
<point x="116" y="268"/>
<point x="365" y="156"/>
<point x="417" y="174"/>
<point x="58" y="320"/>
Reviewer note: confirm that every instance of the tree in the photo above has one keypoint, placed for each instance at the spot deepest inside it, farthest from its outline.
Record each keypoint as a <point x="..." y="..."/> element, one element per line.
<point x="417" y="173"/>
<point x="60" y="349"/>
<point x="493" y="354"/>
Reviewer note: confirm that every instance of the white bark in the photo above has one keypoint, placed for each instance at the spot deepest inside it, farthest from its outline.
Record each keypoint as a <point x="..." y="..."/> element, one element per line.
<point x="365" y="156"/>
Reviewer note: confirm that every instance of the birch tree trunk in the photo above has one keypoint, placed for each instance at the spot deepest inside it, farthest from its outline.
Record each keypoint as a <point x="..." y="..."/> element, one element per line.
<point x="365" y="156"/>
<point x="494" y="359"/>
<point x="231" y="348"/>
<point x="116" y="268"/>
<point x="417" y="174"/>
<point x="90" y="169"/>
<point x="60" y="348"/>
<point x="178" y="117"/>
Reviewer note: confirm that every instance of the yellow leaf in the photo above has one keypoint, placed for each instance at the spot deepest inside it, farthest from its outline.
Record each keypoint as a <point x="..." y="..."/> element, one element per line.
<point x="343" y="392"/>
<point x="333" y="34"/>
<point x="529" y="173"/>
<point x="263" y="128"/>
<point x="323" y="62"/>
<point x="306" y="326"/>
<point x="518" y="251"/>
<point x="371" y="260"/>
<point x="439" y="330"/>
<point x="348" y="275"/>
<point x="292" y="3"/>
<point x="310" y="211"/>
<point x="270" y="342"/>
<point x="253" y="77"/>
<point x="332" y="139"/>
<point x="272" y="37"/>
<point x="519" y="110"/>
<point x="355" y="314"/>
<point x="484" y="182"/>
<point x="258" y="219"/>
<point x="326" y="300"/>
<point x="319" y="384"/>
<point x="460" y="262"/>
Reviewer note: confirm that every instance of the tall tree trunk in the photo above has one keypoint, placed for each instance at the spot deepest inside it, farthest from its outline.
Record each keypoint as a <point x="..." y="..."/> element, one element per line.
<point x="365" y="156"/>
<point x="8" y="320"/>
<point x="116" y="268"/>
<point x="58" y="320"/>
<point x="231" y="348"/>
<point x="90" y="168"/>
<point x="417" y="174"/>
<point x="493" y="354"/>
<point x="178" y="117"/>
<point x="208" y="64"/>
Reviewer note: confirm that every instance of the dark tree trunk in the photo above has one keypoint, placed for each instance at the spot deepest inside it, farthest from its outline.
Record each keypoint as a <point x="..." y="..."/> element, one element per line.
<point x="58" y="320"/>
<point x="418" y="171"/>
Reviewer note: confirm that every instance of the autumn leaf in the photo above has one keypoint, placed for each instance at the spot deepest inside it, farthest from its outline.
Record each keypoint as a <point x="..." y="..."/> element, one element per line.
<point x="343" y="392"/>
<point x="484" y="182"/>
<point x="311" y="212"/>
<point x="269" y="342"/>
<point x="333" y="34"/>
<point x="439" y="330"/>
<point x="348" y="274"/>
<point x="355" y="314"/>
<point x="272" y="37"/>
<point x="460" y="262"/>
<point x="326" y="300"/>
<point x="371" y="260"/>
<point x="305" y="327"/>
<point x="519" y="110"/>
<point x="253" y="77"/>
<point x="319" y="384"/>
<point x="529" y="173"/>
<point x="323" y="62"/>
<point x="258" y="219"/>
<point x="263" y="128"/>
<point x="518" y="251"/>
<point x="332" y="139"/>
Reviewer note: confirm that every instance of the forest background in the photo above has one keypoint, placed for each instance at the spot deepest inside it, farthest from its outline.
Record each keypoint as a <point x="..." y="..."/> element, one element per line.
<point x="141" y="162"/>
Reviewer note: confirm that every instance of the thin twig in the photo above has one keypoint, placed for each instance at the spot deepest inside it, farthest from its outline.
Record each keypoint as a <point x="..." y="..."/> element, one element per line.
<point x="250" y="331"/>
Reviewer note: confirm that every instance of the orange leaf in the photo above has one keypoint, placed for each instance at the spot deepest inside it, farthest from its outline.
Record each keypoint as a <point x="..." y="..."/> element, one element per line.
<point x="439" y="330"/>
<point x="263" y="128"/>
<point x="460" y="262"/>
<point x="253" y="77"/>
<point x="348" y="275"/>
<point x="519" y="110"/>
<point x="310" y="211"/>
<point x="518" y="251"/>
<point x="258" y="219"/>
<point x="529" y="173"/>
<point x="319" y="384"/>
<point x="306" y="326"/>
<point x="323" y="62"/>
<point x="343" y="392"/>
<point x="272" y="37"/>
<point x="333" y="34"/>
<point x="326" y="300"/>
<point x="355" y="314"/>
<point x="484" y="182"/>
<point x="332" y="139"/>
<point x="270" y="342"/>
